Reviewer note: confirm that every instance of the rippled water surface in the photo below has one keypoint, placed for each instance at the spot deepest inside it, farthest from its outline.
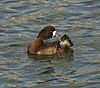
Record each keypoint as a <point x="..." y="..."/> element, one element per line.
<point x="21" y="20"/>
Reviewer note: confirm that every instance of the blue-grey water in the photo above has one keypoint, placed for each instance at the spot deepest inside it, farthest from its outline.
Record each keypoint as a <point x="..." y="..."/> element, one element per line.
<point x="20" y="22"/>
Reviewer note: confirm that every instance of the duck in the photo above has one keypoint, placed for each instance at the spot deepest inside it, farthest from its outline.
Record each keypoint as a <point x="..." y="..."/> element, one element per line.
<point x="39" y="47"/>
<point x="56" y="47"/>
<point x="35" y="45"/>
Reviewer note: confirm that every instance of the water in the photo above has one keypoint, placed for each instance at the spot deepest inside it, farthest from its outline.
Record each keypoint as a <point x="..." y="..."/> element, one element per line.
<point x="20" y="22"/>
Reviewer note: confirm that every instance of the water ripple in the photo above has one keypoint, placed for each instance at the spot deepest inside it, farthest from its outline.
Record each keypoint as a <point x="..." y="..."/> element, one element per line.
<point x="20" y="22"/>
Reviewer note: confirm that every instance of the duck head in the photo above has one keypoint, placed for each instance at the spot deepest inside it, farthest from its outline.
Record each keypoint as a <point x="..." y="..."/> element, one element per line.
<point x="47" y="32"/>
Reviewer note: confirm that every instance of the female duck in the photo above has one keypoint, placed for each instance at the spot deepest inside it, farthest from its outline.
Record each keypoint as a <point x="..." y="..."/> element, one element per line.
<point x="38" y="46"/>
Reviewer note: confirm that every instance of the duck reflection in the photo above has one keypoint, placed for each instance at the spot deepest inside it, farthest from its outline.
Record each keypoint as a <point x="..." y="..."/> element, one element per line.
<point x="54" y="67"/>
